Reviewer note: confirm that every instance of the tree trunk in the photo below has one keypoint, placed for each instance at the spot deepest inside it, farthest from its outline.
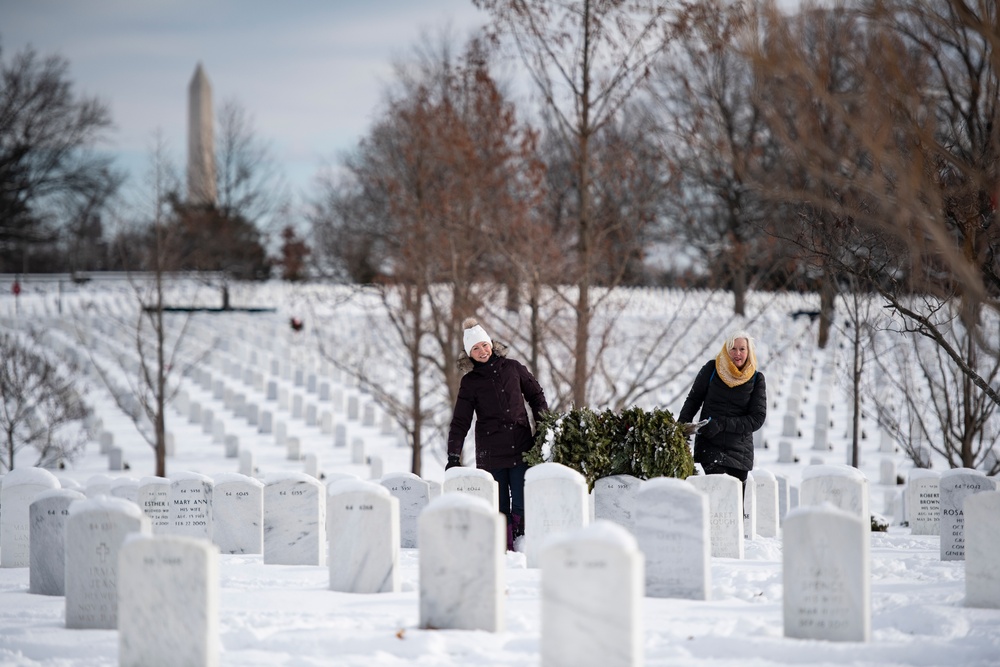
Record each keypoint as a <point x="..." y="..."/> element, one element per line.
<point x="827" y="303"/>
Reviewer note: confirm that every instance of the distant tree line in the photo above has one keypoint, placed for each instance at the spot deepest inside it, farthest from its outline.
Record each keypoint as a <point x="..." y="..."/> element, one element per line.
<point x="846" y="147"/>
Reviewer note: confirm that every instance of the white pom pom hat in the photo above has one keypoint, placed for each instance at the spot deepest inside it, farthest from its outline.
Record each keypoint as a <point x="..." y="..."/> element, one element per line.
<point x="474" y="334"/>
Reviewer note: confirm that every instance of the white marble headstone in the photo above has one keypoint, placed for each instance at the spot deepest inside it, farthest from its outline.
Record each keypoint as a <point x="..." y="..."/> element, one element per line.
<point x="238" y="514"/>
<point x="413" y="494"/>
<point x="462" y="545"/>
<point x="614" y="499"/>
<point x="48" y="514"/>
<point x="153" y="499"/>
<point x="168" y="602"/>
<point x="725" y="513"/>
<point x="475" y="482"/>
<point x="97" y="485"/>
<point x="982" y="546"/>
<point x="826" y="575"/>
<point x="246" y="466"/>
<point x="592" y="593"/>
<point x="957" y="485"/>
<point x="767" y="503"/>
<point x="671" y="528"/>
<point x="20" y="488"/>
<point x="749" y="508"/>
<point x="840" y="485"/>
<point x="126" y="488"/>
<point x="191" y="505"/>
<point x="923" y="501"/>
<point x="555" y="501"/>
<point x="294" y="519"/>
<point x="363" y="530"/>
<point x="95" y="531"/>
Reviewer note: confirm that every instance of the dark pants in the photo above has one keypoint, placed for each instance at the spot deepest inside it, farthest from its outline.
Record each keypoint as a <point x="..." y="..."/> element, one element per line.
<point x="511" y="483"/>
<point x="716" y="469"/>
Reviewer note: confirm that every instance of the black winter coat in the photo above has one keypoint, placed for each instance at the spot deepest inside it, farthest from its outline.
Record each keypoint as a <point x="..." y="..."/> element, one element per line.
<point x="495" y="391"/>
<point x="738" y="411"/>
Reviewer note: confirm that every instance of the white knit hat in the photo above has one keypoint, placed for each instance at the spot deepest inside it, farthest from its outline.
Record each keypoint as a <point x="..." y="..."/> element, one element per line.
<point x="474" y="334"/>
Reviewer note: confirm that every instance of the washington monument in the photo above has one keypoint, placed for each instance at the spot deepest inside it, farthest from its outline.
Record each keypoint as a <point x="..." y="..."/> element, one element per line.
<point x="201" y="147"/>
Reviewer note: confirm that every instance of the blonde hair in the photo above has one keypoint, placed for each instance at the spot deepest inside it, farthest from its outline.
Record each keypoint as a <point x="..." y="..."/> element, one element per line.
<point x="740" y="333"/>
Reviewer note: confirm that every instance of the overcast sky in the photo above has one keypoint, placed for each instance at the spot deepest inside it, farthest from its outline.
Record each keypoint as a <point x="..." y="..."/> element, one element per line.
<point x="309" y="72"/>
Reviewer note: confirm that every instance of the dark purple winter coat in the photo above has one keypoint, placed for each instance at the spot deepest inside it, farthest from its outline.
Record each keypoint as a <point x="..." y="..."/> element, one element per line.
<point x="736" y="412"/>
<point x="495" y="392"/>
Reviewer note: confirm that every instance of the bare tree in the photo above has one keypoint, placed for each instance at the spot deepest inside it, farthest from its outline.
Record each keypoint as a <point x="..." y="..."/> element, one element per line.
<point x="913" y="164"/>
<point x="437" y="191"/>
<point x="41" y="404"/>
<point x="924" y="400"/>
<point x="50" y="174"/>
<point x="715" y="138"/>
<point x="158" y="344"/>
<point x="586" y="59"/>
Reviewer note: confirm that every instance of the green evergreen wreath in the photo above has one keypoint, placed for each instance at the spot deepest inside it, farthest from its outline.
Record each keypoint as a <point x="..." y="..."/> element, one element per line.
<point x="635" y="442"/>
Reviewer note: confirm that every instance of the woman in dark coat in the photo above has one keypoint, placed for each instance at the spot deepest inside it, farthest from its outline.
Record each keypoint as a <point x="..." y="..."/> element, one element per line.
<point x="732" y="395"/>
<point x="494" y="389"/>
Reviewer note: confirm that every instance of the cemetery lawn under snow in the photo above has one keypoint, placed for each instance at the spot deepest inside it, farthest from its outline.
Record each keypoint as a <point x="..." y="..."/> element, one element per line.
<point x="286" y="615"/>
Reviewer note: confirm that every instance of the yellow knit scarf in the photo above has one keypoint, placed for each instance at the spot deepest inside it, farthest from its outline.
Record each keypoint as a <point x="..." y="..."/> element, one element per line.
<point x="732" y="376"/>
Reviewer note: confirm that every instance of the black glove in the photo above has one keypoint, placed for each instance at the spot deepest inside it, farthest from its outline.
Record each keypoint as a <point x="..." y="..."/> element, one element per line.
<point x="453" y="460"/>
<point x="711" y="428"/>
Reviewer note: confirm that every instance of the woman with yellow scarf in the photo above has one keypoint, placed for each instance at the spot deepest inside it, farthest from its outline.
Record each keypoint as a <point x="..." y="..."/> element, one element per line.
<point x="732" y="396"/>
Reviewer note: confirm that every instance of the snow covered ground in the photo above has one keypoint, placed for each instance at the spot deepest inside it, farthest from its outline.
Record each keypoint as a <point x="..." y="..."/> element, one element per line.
<point x="285" y="615"/>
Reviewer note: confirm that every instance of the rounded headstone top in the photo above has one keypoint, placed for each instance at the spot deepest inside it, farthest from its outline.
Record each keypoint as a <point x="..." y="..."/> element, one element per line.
<point x="832" y="470"/>
<point x="958" y="471"/>
<point x="922" y="473"/>
<point x="400" y="475"/>
<point x="67" y="483"/>
<point x="153" y="479"/>
<point x="339" y="486"/>
<point x="764" y="474"/>
<point x="600" y="530"/>
<point x="461" y="471"/>
<point x="30" y="476"/>
<point x="72" y="494"/>
<point x="96" y="480"/>
<point x="332" y="477"/>
<point x="103" y="503"/>
<point x="292" y="476"/>
<point x="668" y="483"/>
<point x="124" y="481"/>
<point x="447" y="501"/>
<point x="551" y="470"/>
<point x="235" y="477"/>
<point x="188" y="476"/>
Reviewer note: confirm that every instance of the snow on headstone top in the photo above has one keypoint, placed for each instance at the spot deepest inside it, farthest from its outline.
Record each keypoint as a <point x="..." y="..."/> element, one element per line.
<point x="24" y="476"/>
<point x="459" y="471"/>
<point x="666" y="483"/>
<point x="228" y="477"/>
<point x="153" y="479"/>
<point x="124" y="481"/>
<point x="65" y="483"/>
<point x="764" y="474"/>
<point x="108" y="504"/>
<point x="98" y="480"/>
<point x="333" y="477"/>
<point x="922" y="473"/>
<point x="448" y="501"/>
<point x="60" y="493"/>
<point x="961" y="471"/>
<point x="188" y="476"/>
<point x="552" y="470"/>
<point x="291" y="476"/>
<point x="832" y="470"/>
<point x="400" y="475"/>
<point x="600" y="530"/>
<point x="340" y="486"/>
